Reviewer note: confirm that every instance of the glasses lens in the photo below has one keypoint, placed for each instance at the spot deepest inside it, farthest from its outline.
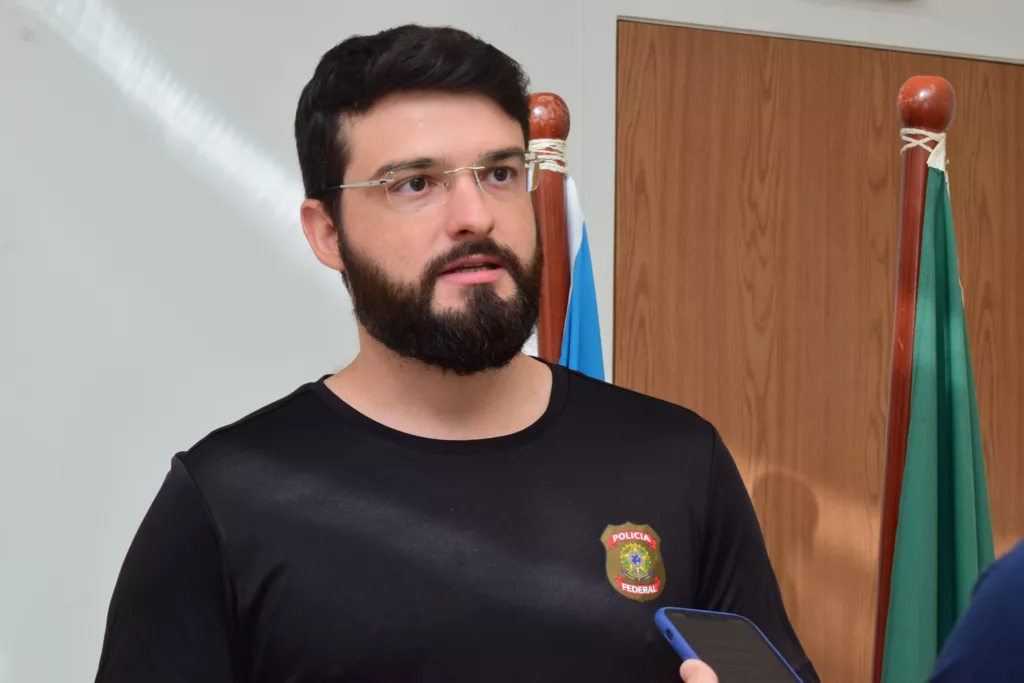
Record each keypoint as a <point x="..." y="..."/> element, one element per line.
<point x="415" y="188"/>
<point x="508" y="179"/>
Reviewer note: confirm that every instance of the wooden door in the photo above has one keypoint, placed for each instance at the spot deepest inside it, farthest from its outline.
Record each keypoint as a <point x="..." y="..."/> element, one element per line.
<point x="756" y="223"/>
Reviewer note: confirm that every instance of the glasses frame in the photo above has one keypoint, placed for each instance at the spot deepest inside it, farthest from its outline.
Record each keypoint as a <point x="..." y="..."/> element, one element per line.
<point x="528" y="158"/>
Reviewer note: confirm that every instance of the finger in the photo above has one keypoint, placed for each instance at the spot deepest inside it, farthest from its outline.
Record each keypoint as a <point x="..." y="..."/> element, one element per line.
<point x="696" y="671"/>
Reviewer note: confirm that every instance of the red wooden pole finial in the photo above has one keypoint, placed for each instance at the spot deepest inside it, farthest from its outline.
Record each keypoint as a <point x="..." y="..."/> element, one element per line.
<point x="549" y="116"/>
<point x="927" y="103"/>
<point x="549" y="119"/>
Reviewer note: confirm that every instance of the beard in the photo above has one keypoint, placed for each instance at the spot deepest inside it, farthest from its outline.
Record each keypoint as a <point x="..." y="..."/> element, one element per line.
<point x="486" y="333"/>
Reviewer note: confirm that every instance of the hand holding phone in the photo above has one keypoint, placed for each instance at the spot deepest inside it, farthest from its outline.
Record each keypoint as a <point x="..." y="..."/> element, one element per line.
<point x="731" y="645"/>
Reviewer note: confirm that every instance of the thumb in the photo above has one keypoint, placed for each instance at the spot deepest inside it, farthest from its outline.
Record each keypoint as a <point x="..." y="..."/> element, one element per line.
<point x="696" y="671"/>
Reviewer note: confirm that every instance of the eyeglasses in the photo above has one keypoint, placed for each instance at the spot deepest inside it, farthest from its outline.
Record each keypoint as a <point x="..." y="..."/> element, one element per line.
<point x="412" y="187"/>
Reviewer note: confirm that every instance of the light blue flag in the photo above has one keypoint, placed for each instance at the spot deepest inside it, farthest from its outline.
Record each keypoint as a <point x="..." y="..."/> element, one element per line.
<point x="581" y="340"/>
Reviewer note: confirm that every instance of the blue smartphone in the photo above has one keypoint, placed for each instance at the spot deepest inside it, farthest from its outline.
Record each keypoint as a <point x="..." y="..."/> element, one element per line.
<point x="730" y="644"/>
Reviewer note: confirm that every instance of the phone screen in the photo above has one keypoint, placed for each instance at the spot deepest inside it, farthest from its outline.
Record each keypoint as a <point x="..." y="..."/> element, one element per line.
<point x="732" y="647"/>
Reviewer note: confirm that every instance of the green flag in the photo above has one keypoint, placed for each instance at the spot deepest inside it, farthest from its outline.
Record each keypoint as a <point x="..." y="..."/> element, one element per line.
<point x="944" y="533"/>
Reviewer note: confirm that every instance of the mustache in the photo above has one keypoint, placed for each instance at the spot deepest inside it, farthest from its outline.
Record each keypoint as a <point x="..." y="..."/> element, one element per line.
<point x="485" y="247"/>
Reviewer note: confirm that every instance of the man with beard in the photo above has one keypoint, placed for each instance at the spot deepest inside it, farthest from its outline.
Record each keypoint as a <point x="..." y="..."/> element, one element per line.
<point x="444" y="508"/>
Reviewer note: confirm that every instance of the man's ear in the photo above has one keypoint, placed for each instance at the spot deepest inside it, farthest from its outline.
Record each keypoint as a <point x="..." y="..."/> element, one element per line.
<point x="318" y="226"/>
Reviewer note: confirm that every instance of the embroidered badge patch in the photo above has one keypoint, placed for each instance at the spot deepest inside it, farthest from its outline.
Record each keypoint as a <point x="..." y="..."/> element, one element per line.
<point x="633" y="561"/>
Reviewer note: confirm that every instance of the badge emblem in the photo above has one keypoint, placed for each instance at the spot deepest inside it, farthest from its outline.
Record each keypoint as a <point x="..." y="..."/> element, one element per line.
<point x="633" y="561"/>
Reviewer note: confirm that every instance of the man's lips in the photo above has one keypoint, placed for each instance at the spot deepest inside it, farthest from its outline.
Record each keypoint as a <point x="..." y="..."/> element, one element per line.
<point x="476" y="260"/>
<point x="473" y="270"/>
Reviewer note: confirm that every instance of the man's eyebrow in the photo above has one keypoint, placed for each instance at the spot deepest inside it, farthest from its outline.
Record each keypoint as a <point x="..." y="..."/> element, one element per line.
<point x="431" y="162"/>
<point x="418" y="162"/>
<point x="502" y="154"/>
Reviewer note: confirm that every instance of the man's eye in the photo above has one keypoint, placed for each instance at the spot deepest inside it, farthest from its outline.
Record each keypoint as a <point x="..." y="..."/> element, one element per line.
<point x="501" y="174"/>
<point x="413" y="185"/>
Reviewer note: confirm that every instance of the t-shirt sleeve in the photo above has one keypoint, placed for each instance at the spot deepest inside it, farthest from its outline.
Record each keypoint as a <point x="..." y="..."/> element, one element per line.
<point x="736" y="574"/>
<point x="985" y="645"/>
<point x="169" y="620"/>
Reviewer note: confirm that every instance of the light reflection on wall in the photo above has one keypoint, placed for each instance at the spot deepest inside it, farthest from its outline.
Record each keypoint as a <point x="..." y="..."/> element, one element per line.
<point x="94" y="29"/>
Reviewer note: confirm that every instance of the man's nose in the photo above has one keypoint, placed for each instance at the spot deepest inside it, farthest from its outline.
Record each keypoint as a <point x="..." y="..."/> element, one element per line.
<point x="468" y="210"/>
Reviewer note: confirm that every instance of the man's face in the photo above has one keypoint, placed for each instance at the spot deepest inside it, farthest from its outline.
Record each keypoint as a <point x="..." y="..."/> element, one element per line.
<point x="449" y="276"/>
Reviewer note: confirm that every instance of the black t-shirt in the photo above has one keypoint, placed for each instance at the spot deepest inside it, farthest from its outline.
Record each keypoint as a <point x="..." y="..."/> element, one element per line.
<point x="308" y="543"/>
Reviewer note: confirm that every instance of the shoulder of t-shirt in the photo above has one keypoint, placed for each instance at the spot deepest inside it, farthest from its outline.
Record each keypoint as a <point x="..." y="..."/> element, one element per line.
<point x="269" y="418"/>
<point x="638" y="410"/>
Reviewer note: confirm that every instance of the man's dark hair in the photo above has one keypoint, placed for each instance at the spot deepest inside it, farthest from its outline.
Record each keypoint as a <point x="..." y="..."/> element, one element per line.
<point x="361" y="70"/>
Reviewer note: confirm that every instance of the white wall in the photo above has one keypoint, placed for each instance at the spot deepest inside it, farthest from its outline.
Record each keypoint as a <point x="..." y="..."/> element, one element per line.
<point x="155" y="283"/>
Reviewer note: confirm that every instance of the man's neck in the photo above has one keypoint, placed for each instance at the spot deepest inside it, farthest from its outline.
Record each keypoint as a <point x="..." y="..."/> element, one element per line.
<point x="425" y="401"/>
